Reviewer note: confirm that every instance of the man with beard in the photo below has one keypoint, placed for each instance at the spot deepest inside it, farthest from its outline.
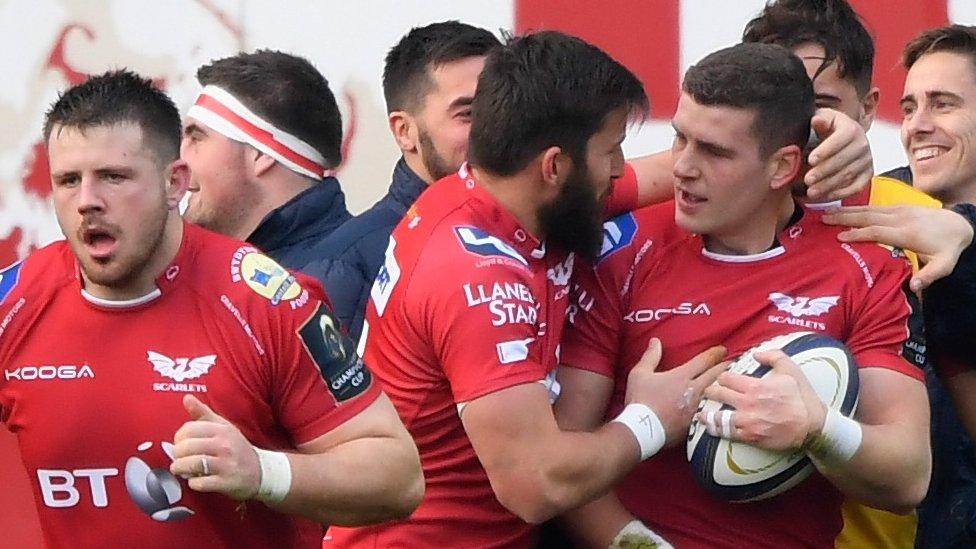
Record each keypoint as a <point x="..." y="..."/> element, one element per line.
<point x="142" y="329"/>
<point x="261" y="141"/>
<point x="465" y="318"/>
<point x="713" y="267"/>
<point x="429" y="82"/>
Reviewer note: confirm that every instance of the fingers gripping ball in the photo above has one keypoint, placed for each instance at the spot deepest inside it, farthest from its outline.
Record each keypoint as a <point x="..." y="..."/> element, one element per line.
<point x="739" y="472"/>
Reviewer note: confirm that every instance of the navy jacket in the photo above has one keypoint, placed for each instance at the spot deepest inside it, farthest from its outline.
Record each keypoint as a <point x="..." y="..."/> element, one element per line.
<point x="354" y="253"/>
<point x="289" y="233"/>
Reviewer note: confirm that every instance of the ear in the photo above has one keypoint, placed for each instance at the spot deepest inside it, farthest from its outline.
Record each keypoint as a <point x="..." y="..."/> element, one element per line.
<point x="869" y="108"/>
<point x="784" y="166"/>
<point x="555" y="167"/>
<point x="404" y="130"/>
<point x="177" y="181"/>
<point x="260" y="162"/>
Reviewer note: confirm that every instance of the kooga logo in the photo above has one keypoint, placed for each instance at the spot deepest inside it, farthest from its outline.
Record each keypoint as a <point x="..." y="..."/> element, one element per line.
<point x="67" y="371"/>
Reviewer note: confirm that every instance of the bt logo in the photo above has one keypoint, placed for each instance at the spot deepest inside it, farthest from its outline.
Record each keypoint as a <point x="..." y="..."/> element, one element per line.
<point x="153" y="489"/>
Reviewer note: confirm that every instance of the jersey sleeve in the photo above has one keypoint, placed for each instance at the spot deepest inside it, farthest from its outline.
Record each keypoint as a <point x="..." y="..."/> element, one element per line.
<point x="482" y="323"/>
<point x="623" y="193"/>
<point x="319" y="381"/>
<point x="880" y="323"/>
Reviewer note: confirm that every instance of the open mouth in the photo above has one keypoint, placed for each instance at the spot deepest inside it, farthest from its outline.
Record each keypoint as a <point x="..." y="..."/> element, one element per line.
<point x="922" y="154"/>
<point x="99" y="241"/>
<point x="688" y="199"/>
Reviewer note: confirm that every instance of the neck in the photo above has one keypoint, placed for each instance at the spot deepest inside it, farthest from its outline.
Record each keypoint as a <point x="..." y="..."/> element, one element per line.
<point x="415" y="163"/>
<point x="144" y="282"/>
<point x="272" y="191"/>
<point x="516" y="194"/>
<point x="758" y="234"/>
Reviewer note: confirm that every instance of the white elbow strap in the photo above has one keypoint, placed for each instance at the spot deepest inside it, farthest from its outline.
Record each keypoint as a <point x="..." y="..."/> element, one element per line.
<point x="636" y="534"/>
<point x="646" y="426"/>
<point x="839" y="439"/>
<point x="275" y="476"/>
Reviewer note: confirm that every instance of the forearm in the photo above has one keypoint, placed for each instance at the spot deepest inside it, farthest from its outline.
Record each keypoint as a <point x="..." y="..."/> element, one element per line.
<point x="566" y="470"/>
<point x="596" y="524"/>
<point x="890" y="470"/>
<point x="363" y="481"/>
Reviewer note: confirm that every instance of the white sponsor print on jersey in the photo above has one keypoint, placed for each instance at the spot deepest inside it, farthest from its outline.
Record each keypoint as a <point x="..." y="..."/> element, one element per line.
<point x="508" y="302"/>
<point x="803" y="306"/>
<point x="516" y="350"/>
<point x="685" y="308"/>
<point x="798" y="307"/>
<point x="48" y="372"/>
<point x="181" y="369"/>
<point x="386" y="279"/>
<point x="560" y="274"/>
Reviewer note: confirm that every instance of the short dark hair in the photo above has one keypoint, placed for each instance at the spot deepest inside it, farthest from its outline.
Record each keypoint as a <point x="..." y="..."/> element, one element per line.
<point x="832" y="24"/>
<point x="764" y="77"/>
<point x="546" y="89"/>
<point x="119" y="97"/>
<point x="406" y="74"/>
<point x="287" y="91"/>
<point x="959" y="39"/>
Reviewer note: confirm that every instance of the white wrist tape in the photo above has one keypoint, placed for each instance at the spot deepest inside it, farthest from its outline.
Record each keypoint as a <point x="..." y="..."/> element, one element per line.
<point x="636" y="534"/>
<point x="646" y="426"/>
<point x="275" y="476"/>
<point x="839" y="439"/>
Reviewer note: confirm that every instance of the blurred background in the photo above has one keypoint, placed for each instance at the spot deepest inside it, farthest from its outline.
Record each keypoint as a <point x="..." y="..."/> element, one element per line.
<point x="47" y="45"/>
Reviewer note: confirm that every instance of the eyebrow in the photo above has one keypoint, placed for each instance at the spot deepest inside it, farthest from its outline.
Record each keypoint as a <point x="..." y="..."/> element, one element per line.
<point x="715" y="148"/>
<point x="827" y="97"/>
<point x="463" y="101"/>
<point x="193" y="127"/>
<point x="933" y="94"/>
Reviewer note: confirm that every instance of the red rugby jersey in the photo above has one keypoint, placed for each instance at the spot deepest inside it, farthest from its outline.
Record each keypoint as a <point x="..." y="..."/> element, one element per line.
<point x="467" y="303"/>
<point x="654" y="279"/>
<point x="93" y="390"/>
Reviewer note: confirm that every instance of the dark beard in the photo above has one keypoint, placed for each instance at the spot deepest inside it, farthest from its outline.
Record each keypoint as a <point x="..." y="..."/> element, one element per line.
<point x="436" y="165"/>
<point x="573" y="222"/>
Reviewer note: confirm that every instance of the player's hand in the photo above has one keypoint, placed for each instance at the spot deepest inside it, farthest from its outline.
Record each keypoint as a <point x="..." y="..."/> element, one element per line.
<point x="938" y="236"/>
<point x="778" y="411"/>
<point x="673" y="395"/>
<point x="210" y="441"/>
<point x="841" y="164"/>
<point x="636" y="535"/>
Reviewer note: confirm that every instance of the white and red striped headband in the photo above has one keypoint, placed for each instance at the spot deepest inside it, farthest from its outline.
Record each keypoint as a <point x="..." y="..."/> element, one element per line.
<point x="225" y="114"/>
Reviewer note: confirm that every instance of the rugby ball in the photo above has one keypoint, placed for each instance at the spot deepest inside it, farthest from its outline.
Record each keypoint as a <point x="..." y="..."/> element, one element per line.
<point x="739" y="472"/>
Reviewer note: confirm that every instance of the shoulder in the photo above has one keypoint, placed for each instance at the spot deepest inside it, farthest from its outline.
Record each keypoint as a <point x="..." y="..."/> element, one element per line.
<point x="47" y="268"/>
<point x="867" y="260"/>
<point x="888" y="191"/>
<point x="627" y="238"/>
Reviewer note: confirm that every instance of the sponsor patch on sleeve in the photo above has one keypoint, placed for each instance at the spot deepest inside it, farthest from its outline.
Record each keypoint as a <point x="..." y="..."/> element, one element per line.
<point x="618" y="233"/>
<point x="263" y="275"/>
<point x="9" y="277"/>
<point x="480" y="242"/>
<point x="335" y="355"/>
<point x="386" y="279"/>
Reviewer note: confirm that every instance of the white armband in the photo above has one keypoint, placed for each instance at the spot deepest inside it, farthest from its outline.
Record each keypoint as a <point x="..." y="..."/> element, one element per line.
<point x="646" y="426"/>
<point x="838" y="441"/>
<point x="636" y="534"/>
<point x="275" y="476"/>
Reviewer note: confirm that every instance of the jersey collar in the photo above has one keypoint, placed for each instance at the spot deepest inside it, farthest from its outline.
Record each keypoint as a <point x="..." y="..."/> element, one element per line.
<point x="498" y="220"/>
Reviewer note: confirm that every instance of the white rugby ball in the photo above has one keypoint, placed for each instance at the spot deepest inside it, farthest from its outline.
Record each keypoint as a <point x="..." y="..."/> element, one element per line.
<point x="739" y="472"/>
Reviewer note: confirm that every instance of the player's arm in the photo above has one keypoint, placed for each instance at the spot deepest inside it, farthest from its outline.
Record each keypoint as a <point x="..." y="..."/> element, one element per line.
<point x="938" y="236"/>
<point x="538" y="470"/>
<point x="582" y="406"/>
<point x="364" y="471"/>
<point x="840" y="165"/>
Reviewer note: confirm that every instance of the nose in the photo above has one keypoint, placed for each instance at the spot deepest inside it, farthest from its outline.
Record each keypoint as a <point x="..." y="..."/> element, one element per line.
<point x="684" y="165"/>
<point x="90" y="199"/>
<point x="920" y="122"/>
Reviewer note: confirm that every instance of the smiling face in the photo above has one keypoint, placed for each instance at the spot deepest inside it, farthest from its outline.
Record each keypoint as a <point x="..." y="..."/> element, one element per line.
<point x="939" y="125"/>
<point x="444" y="121"/>
<point x="112" y="201"/>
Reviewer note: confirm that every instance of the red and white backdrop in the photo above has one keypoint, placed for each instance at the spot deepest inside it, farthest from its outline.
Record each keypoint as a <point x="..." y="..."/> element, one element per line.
<point x="50" y="44"/>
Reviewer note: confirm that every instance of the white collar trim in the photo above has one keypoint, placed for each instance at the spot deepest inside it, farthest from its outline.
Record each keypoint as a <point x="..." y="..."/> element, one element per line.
<point x="121" y="304"/>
